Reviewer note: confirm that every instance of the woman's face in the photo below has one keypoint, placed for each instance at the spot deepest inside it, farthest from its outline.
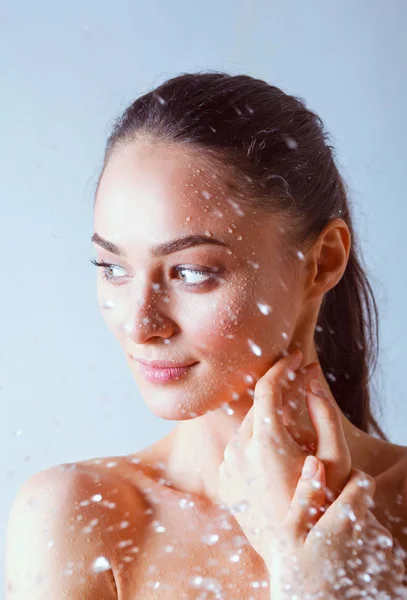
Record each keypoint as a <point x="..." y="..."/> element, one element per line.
<point x="232" y="308"/>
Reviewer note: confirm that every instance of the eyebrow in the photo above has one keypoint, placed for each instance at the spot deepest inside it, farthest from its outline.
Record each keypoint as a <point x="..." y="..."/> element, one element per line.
<point x="162" y="249"/>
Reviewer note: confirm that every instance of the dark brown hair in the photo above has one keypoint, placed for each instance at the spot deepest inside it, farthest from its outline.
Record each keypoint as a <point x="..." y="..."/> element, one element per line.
<point x="274" y="152"/>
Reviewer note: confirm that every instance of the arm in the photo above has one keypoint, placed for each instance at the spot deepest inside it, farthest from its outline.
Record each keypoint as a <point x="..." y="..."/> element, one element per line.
<point x="51" y="545"/>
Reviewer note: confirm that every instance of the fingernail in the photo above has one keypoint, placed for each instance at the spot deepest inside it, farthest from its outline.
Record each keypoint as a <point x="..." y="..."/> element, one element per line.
<point x="310" y="467"/>
<point x="318" y="389"/>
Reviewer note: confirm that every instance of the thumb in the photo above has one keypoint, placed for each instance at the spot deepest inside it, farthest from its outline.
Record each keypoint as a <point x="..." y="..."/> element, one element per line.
<point x="308" y="499"/>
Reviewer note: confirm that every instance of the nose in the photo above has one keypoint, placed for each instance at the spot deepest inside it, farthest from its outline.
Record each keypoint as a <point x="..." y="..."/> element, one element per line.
<point x="148" y="317"/>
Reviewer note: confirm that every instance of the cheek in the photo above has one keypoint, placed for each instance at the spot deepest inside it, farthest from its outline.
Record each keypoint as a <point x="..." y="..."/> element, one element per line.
<point x="236" y="324"/>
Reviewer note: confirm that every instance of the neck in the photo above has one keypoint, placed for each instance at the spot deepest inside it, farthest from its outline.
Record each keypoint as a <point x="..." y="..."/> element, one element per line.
<point x="194" y="449"/>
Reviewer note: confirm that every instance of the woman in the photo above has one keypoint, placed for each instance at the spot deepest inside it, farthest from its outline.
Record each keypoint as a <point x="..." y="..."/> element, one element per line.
<point x="224" y="242"/>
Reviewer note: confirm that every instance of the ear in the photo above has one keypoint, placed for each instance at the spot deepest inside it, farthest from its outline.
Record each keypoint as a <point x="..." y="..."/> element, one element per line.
<point x="327" y="258"/>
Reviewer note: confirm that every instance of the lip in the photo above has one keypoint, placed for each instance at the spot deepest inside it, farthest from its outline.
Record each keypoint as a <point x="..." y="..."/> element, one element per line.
<point x="161" y="364"/>
<point x="155" y="375"/>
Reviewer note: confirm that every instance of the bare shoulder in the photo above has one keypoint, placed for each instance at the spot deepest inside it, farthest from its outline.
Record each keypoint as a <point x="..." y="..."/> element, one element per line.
<point x="66" y="530"/>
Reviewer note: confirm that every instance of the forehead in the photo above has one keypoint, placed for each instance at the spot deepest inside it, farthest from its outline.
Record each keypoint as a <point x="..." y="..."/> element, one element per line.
<point x="150" y="194"/>
<point x="157" y="192"/>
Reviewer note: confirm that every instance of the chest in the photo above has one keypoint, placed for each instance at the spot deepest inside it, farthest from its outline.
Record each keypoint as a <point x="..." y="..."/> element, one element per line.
<point x="193" y="558"/>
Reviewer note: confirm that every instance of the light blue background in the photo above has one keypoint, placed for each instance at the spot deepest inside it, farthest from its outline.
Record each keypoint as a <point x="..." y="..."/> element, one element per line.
<point x="67" y="69"/>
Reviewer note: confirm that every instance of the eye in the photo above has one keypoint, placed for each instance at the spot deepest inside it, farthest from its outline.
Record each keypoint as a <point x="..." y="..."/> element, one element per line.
<point x="105" y="266"/>
<point x="197" y="278"/>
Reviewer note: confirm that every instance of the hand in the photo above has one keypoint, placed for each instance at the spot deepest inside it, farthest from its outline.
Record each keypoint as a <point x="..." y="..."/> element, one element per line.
<point x="284" y="516"/>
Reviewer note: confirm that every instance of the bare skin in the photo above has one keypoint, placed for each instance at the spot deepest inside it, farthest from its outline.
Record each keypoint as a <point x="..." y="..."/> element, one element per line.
<point x="236" y="320"/>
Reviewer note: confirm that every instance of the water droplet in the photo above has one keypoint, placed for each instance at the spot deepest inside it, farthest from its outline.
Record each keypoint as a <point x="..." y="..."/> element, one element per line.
<point x="210" y="539"/>
<point x="108" y="304"/>
<point x="208" y="234"/>
<point x="97" y="498"/>
<point x="253" y="264"/>
<point x="319" y="328"/>
<point x="185" y="503"/>
<point x="240" y="507"/>
<point x="234" y="558"/>
<point x="300" y="255"/>
<point x="160" y="99"/>
<point x="254" y="348"/>
<point x="101" y="564"/>
<point x="227" y="409"/>
<point x="384" y="541"/>
<point x="156" y="525"/>
<point x="284" y="335"/>
<point x="264" y="308"/>
<point x="291" y="376"/>
<point x="291" y="143"/>
<point x="236" y="207"/>
<point x="206" y="194"/>
<point x="187" y="218"/>
<point x="124" y="524"/>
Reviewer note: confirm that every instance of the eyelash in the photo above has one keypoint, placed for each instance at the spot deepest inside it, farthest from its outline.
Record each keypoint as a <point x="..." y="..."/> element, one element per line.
<point x="106" y="265"/>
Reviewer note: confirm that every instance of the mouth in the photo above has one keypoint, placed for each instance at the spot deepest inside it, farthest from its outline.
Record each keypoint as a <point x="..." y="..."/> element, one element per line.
<point x="163" y="375"/>
<point x="161" y="364"/>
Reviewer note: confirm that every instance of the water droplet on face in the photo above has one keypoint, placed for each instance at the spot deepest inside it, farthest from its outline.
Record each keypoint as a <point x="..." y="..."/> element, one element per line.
<point x="264" y="308"/>
<point x="253" y="265"/>
<point x="101" y="564"/>
<point x="284" y="335"/>
<point x="187" y="218"/>
<point x="208" y="234"/>
<point x="97" y="497"/>
<point x="300" y="255"/>
<point x="236" y="207"/>
<point x="206" y="194"/>
<point x="254" y="348"/>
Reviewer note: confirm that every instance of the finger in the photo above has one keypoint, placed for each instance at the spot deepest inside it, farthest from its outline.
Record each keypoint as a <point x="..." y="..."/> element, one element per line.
<point x="332" y="447"/>
<point x="294" y="406"/>
<point x="351" y="506"/>
<point x="307" y="501"/>
<point x="299" y="382"/>
<point x="246" y="427"/>
<point x="268" y="400"/>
